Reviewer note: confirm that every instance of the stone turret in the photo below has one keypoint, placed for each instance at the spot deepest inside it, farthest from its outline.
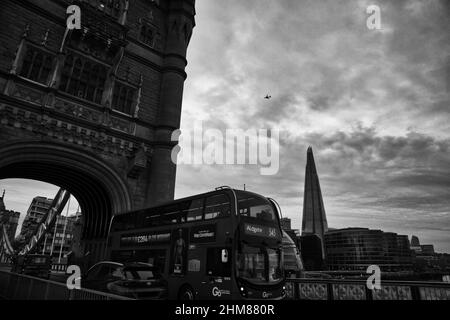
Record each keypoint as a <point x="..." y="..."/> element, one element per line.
<point x="179" y="25"/>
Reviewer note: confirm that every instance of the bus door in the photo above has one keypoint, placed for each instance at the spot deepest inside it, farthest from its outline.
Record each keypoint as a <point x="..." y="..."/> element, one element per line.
<point x="217" y="278"/>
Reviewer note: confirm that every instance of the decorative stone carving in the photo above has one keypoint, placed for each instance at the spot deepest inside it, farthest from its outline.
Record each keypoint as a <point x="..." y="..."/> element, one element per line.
<point x="77" y="110"/>
<point x="47" y="126"/>
<point x="20" y="51"/>
<point x="121" y="125"/>
<point x="138" y="98"/>
<point x="45" y="39"/>
<point x="28" y="94"/>
<point x="139" y="162"/>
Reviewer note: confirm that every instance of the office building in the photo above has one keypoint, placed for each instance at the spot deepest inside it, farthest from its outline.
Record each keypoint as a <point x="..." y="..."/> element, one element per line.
<point x="358" y="248"/>
<point x="285" y="223"/>
<point x="59" y="240"/>
<point x="311" y="252"/>
<point x="8" y="218"/>
<point x="36" y="211"/>
<point x="314" y="220"/>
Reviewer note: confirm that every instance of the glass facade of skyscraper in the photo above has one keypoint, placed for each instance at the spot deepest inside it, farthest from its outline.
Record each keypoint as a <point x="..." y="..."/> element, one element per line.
<point x="357" y="248"/>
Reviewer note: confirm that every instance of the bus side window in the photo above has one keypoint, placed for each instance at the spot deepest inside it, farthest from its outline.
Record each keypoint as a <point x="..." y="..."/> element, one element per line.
<point x="217" y="206"/>
<point x="139" y="219"/>
<point x="117" y="223"/>
<point x="194" y="210"/>
<point x="148" y="218"/>
<point x="214" y="262"/>
<point x="168" y="214"/>
<point x="130" y="221"/>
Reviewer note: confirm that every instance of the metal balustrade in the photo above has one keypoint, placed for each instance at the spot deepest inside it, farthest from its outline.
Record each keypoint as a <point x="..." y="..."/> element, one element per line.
<point x="328" y="289"/>
<point x="59" y="267"/>
<point x="22" y="287"/>
<point x="15" y="286"/>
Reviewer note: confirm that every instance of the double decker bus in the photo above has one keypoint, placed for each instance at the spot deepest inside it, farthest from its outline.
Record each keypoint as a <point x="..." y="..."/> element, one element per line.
<point x="224" y="244"/>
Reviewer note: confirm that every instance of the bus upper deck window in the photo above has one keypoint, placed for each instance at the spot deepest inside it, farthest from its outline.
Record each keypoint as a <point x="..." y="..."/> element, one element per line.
<point x="193" y="209"/>
<point x="256" y="208"/>
<point x="217" y="206"/>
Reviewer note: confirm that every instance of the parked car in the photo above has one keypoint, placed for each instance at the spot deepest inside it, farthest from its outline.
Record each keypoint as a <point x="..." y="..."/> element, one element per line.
<point x="38" y="265"/>
<point x="134" y="280"/>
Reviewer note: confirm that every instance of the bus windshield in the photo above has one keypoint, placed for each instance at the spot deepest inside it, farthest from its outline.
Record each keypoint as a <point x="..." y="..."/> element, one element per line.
<point x="259" y="265"/>
<point x="253" y="206"/>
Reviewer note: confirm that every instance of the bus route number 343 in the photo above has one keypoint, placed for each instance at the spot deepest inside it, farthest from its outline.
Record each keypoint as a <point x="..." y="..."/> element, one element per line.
<point x="253" y="309"/>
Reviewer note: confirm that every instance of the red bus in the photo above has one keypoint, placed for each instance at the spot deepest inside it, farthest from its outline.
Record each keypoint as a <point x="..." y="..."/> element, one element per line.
<point x="224" y="244"/>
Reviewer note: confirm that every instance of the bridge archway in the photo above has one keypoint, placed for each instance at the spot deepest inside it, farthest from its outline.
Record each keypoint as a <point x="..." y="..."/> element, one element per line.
<point x="99" y="189"/>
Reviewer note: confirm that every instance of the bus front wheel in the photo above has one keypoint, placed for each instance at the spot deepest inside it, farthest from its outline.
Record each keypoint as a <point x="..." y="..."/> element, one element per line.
<point x="186" y="293"/>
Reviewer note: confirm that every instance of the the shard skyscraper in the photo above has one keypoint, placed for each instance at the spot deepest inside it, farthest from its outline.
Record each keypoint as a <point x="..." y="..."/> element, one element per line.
<point x="314" y="220"/>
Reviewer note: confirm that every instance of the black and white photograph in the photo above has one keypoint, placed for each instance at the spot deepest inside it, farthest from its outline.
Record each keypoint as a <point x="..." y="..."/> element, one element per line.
<point x="226" y="159"/>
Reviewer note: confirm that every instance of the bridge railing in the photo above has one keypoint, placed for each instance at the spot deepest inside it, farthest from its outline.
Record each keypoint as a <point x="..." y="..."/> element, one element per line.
<point x="331" y="289"/>
<point x="15" y="286"/>
<point x="59" y="267"/>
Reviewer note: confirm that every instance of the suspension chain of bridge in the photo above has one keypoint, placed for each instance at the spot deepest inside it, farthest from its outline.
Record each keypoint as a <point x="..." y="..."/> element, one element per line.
<point x="47" y="222"/>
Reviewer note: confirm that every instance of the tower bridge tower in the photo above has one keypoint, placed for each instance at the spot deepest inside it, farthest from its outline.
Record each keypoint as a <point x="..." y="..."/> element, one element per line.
<point x="92" y="110"/>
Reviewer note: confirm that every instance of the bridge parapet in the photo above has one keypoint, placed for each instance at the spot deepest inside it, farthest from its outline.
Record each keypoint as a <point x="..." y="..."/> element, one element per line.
<point x="21" y="287"/>
<point x="321" y="289"/>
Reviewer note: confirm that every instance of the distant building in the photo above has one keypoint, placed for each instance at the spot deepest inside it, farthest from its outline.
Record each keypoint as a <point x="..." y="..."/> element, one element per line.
<point x="314" y="220"/>
<point x="59" y="240"/>
<point x="415" y="241"/>
<point x="285" y="223"/>
<point x="358" y="248"/>
<point x="9" y="218"/>
<point x="421" y="250"/>
<point x="427" y="249"/>
<point x="311" y="252"/>
<point x="38" y="208"/>
<point x="415" y="245"/>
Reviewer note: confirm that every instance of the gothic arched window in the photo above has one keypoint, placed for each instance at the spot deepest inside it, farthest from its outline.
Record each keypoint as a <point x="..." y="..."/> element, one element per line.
<point x="83" y="78"/>
<point x="36" y="65"/>
<point x="123" y="98"/>
<point x="147" y="34"/>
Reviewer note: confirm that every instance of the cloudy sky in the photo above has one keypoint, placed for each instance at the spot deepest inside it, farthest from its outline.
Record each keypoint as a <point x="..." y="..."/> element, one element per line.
<point x="373" y="104"/>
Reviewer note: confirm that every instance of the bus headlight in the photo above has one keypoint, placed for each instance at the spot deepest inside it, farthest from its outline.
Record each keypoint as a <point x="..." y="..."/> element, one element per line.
<point x="243" y="291"/>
